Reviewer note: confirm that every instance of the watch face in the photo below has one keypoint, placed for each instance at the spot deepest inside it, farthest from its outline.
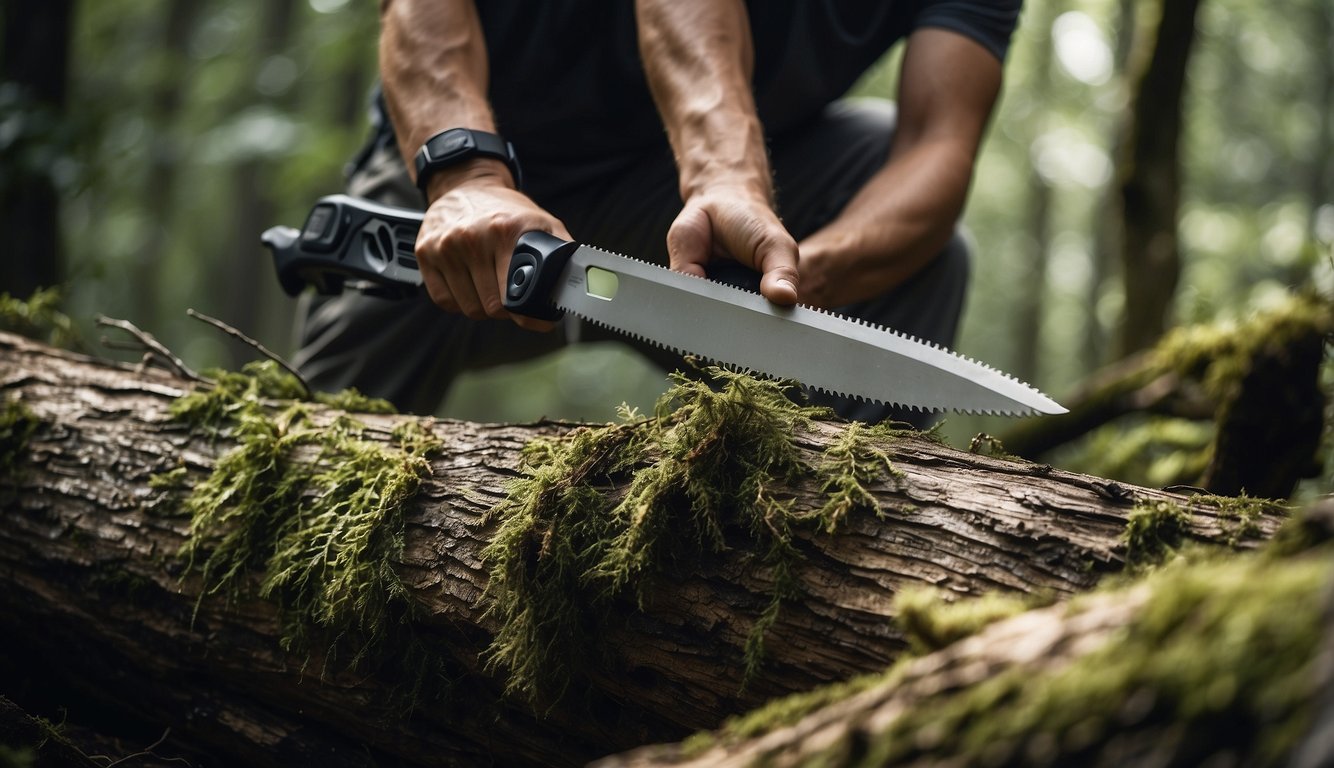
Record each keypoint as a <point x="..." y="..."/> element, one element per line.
<point x="450" y="145"/>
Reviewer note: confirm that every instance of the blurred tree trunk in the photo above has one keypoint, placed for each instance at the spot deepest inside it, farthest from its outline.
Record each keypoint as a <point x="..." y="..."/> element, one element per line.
<point x="164" y="104"/>
<point x="34" y="57"/>
<point x="1149" y="176"/>
<point x="1028" y="356"/>
<point x="247" y="273"/>
<point x="1322" y="31"/>
<point x="1106" y="230"/>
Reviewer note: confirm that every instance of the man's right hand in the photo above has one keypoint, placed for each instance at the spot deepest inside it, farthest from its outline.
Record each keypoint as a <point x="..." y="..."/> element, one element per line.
<point x="468" y="235"/>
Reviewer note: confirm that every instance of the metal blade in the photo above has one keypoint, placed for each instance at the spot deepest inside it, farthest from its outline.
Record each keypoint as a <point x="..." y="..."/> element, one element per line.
<point x="840" y="355"/>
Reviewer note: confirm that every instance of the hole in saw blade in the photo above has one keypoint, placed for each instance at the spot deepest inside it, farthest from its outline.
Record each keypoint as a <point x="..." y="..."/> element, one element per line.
<point x="601" y="283"/>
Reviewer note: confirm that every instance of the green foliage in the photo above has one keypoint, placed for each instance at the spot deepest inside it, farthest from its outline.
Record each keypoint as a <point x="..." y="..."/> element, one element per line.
<point x="316" y="510"/>
<point x="38" y="317"/>
<point x="708" y="467"/>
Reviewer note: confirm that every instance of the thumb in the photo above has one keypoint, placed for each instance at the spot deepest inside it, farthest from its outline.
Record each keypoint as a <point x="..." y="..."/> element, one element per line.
<point x="778" y="262"/>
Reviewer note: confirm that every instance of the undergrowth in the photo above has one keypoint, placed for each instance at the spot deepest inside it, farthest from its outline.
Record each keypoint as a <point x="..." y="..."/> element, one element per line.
<point x="708" y="472"/>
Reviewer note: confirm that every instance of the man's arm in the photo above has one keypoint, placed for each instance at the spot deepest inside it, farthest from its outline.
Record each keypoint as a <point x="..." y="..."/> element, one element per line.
<point x="902" y="218"/>
<point x="434" y="68"/>
<point x="699" y="58"/>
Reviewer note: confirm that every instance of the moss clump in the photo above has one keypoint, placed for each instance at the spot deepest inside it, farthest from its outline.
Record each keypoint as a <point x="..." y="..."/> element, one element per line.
<point x="931" y="621"/>
<point x="220" y="404"/>
<point x="711" y="464"/>
<point x="1220" y="354"/>
<point x="1241" y="514"/>
<point x="17" y="424"/>
<point x="316" y="511"/>
<point x="1154" y="530"/>
<point x="38" y="317"/>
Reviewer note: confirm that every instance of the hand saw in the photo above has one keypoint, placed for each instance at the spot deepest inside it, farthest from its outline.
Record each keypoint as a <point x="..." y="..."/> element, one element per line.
<point x="355" y="243"/>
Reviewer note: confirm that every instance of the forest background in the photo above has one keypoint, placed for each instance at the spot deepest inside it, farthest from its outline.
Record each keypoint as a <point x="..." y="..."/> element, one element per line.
<point x="164" y="135"/>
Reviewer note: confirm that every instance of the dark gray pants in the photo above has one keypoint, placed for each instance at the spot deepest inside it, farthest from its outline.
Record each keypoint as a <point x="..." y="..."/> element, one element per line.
<point x="410" y="351"/>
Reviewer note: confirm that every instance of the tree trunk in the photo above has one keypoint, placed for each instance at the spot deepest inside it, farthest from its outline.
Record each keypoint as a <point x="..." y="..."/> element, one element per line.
<point x="103" y="615"/>
<point x="34" y="56"/>
<point x="1150" y="177"/>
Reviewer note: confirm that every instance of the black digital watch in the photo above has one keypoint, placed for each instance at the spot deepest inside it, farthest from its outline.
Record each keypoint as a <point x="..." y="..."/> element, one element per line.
<point x="456" y="145"/>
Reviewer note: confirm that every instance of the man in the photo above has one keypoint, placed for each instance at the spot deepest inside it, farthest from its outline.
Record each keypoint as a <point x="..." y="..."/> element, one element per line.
<point x="682" y="130"/>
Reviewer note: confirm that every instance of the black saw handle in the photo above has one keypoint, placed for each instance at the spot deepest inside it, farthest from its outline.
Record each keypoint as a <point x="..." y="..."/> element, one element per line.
<point x="352" y="242"/>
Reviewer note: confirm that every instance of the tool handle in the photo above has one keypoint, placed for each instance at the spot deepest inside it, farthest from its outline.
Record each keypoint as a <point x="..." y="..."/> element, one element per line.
<point x="353" y="242"/>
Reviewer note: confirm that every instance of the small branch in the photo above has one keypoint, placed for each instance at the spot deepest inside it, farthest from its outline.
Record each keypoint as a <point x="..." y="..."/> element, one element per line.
<point x="255" y="345"/>
<point x="157" y="349"/>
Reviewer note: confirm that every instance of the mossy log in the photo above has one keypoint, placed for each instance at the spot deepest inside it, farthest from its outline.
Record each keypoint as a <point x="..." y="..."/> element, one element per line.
<point x="100" y="607"/>
<point x="1216" y="661"/>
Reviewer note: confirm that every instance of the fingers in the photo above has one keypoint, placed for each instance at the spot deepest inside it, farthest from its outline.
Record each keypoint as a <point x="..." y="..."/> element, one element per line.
<point x="720" y="224"/>
<point x="464" y="247"/>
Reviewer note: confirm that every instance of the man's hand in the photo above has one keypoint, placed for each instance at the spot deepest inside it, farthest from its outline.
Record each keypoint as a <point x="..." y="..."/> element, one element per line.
<point x="468" y="235"/>
<point x="433" y="64"/>
<point x="723" y="222"/>
<point x="699" y="56"/>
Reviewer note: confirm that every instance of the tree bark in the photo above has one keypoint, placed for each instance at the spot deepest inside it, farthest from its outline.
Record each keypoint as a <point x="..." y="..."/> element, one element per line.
<point x="1101" y="683"/>
<point x="100" y="609"/>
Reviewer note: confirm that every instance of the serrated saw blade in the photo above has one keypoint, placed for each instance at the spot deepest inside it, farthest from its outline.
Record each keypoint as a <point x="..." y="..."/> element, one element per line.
<point x="829" y="352"/>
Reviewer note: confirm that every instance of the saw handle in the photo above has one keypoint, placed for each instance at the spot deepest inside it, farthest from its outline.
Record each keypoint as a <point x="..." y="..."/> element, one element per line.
<point x="534" y="269"/>
<point x="352" y="242"/>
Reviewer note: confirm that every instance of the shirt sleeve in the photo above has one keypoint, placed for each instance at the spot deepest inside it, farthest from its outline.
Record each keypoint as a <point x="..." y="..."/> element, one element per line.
<point x="989" y="23"/>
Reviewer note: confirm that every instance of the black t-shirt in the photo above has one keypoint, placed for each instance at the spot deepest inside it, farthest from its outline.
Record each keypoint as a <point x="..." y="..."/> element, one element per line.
<point x="567" y="84"/>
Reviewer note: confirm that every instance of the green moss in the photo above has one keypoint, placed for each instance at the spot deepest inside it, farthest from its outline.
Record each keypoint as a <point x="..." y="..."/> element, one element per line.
<point x="17" y="425"/>
<point x="932" y="620"/>
<point x="38" y="317"/>
<point x="711" y="465"/>
<point x="1154" y="530"/>
<point x="1218" y="661"/>
<point x="1220" y="354"/>
<point x="1216" y="664"/>
<point x="1241" y="514"/>
<point x="315" y="512"/>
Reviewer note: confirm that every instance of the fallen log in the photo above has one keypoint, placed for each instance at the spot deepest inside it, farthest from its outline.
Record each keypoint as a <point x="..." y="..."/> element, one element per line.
<point x="1221" y="661"/>
<point x="116" y="597"/>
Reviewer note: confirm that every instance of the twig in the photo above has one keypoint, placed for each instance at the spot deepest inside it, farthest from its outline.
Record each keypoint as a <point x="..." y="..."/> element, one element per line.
<point x="154" y="346"/>
<point x="148" y="752"/>
<point x="258" y="347"/>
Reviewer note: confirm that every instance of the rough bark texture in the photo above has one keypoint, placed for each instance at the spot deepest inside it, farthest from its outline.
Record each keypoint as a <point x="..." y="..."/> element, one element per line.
<point x="1011" y="694"/>
<point x="99" y="608"/>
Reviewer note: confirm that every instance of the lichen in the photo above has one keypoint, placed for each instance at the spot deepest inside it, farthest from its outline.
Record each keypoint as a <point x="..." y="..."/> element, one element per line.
<point x="17" y="425"/>
<point x="308" y="515"/>
<point x="931" y="620"/>
<point x="713" y="463"/>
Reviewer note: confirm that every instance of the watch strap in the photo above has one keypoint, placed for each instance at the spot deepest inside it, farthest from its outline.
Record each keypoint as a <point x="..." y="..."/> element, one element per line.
<point x="457" y="145"/>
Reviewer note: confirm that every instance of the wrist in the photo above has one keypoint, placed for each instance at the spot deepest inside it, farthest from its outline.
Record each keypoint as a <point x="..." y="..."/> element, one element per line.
<point x="476" y="172"/>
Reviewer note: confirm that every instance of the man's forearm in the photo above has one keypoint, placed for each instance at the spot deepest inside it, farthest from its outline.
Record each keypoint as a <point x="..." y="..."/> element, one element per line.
<point x="899" y="221"/>
<point x="434" y="70"/>
<point x="699" y="57"/>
